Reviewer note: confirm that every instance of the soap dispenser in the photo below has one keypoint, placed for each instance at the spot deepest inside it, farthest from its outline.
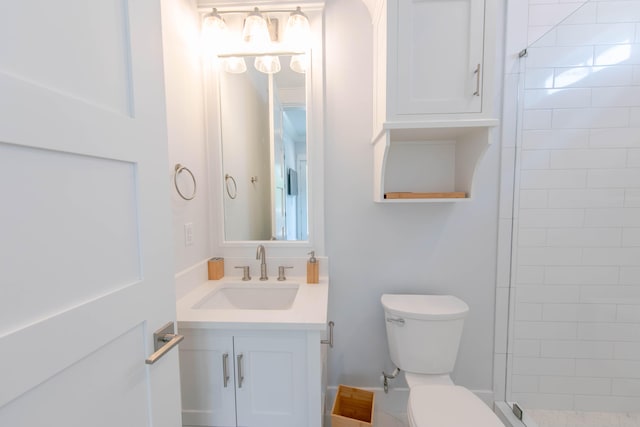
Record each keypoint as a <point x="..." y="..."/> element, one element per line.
<point x="313" y="275"/>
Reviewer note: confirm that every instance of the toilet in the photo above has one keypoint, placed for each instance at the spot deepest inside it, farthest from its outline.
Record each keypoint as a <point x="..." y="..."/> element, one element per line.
<point x="423" y="332"/>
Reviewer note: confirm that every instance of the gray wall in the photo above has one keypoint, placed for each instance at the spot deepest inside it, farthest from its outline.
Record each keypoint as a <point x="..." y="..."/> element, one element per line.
<point x="375" y="249"/>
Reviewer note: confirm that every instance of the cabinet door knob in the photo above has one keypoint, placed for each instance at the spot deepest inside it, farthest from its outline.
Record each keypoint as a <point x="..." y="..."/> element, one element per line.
<point x="477" y="73"/>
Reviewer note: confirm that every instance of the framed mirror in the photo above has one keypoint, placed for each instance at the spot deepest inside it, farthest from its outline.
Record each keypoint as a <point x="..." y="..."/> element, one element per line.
<point x="263" y="127"/>
<point x="266" y="136"/>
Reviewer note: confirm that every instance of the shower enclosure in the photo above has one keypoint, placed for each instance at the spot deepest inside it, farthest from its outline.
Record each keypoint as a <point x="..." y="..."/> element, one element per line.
<point x="568" y="336"/>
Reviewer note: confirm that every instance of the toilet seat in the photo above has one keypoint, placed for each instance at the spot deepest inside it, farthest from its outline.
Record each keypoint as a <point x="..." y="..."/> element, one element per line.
<point x="448" y="406"/>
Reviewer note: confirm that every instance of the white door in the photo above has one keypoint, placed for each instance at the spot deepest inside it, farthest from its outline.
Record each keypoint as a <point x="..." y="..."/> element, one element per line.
<point x="85" y="230"/>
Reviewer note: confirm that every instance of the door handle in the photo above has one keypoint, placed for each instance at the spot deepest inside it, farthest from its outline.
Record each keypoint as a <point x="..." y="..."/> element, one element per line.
<point x="240" y="370"/>
<point x="225" y="369"/>
<point x="164" y="339"/>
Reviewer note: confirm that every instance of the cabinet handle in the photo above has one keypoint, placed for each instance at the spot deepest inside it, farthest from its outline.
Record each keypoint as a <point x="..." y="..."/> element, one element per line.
<point x="225" y="369"/>
<point x="477" y="73"/>
<point x="240" y="371"/>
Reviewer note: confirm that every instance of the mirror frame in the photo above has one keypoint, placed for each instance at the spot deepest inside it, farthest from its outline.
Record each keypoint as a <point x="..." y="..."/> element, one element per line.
<point x="314" y="82"/>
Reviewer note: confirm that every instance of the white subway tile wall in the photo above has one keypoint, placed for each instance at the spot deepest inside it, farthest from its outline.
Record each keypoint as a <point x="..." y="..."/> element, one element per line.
<point x="576" y="253"/>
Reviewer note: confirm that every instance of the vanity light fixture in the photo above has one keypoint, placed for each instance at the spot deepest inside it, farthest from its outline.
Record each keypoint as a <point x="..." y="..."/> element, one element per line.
<point x="268" y="64"/>
<point x="299" y="63"/>
<point x="298" y="31"/>
<point x="259" y="38"/>
<point x="255" y="30"/>
<point x="235" y="65"/>
<point x="214" y="30"/>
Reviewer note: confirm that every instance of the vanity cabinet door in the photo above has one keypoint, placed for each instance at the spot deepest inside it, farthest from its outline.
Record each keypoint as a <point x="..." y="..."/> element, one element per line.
<point x="439" y="66"/>
<point x="273" y="390"/>
<point x="207" y="399"/>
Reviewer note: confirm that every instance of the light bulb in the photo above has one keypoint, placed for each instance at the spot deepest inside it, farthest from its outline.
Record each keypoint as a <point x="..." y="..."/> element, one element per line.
<point x="298" y="31"/>
<point x="267" y="64"/>
<point x="235" y="65"/>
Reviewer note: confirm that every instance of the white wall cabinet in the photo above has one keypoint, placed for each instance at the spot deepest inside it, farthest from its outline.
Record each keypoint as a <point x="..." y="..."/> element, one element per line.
<point x="433" y="86"/>
<point x="245" y="378"/>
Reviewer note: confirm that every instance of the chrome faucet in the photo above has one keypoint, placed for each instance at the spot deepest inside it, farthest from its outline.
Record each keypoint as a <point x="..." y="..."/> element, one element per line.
<point x="263" y="262"/>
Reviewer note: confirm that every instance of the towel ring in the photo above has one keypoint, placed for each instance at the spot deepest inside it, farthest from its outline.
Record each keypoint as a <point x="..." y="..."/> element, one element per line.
<point x="178" y="170"/>
<point x="228" y="177"/>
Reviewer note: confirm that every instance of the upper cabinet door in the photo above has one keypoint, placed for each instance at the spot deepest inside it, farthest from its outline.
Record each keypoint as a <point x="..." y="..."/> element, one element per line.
<point x="439" y="64"/>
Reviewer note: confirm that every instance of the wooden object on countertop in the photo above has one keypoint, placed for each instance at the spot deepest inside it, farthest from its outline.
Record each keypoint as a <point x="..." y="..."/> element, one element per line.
<point x="216" y="268"/>
<point x="313" y="273"/>
<point x="410" y="195"/>
<point x="353" y="407"/>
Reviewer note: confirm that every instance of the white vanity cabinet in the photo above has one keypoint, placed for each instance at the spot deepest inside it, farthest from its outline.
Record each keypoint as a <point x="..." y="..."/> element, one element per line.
<point x="248" y="378"/>
<point x="433" y="96"/>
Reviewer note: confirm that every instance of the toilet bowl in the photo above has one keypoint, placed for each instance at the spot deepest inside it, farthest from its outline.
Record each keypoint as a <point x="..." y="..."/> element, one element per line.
<point x="448" y="406"/>
<point x="423" y="333"/>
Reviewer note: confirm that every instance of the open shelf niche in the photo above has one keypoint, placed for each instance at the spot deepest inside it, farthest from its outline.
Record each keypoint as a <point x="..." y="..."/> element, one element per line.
<point x="429" y="161"/>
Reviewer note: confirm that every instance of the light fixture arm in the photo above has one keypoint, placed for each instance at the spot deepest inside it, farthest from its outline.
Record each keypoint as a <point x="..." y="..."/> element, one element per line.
<point x="249" y="11"/>
<point x="270" y="53"/>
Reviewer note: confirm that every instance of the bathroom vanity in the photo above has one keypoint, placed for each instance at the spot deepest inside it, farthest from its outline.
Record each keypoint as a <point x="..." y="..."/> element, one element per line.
<point x="252" y="353"/>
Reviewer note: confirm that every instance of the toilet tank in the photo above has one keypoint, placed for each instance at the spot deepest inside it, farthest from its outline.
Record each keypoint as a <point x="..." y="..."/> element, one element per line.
<point x="423" y="331"/>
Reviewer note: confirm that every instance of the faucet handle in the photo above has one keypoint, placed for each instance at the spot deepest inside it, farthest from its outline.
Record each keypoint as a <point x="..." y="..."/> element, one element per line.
<point x="281" y="275"/>
<point x="245" y="272"/>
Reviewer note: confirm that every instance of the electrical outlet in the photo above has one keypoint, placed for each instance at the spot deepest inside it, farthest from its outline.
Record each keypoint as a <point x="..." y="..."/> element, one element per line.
<point x="188" y="234"/>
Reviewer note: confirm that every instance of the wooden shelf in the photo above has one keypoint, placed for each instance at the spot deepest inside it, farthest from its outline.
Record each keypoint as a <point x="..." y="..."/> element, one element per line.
<point x="411" y="195"/>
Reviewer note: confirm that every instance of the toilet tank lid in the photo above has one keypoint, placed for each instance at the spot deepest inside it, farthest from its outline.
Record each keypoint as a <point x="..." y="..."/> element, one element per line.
<point x="441" y="307"/>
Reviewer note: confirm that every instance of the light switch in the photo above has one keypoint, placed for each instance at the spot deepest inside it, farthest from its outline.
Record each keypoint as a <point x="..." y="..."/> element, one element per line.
<point x="188" y="234"/>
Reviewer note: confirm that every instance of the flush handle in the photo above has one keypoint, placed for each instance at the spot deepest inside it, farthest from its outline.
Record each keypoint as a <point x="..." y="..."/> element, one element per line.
<point x="398" y="320"/>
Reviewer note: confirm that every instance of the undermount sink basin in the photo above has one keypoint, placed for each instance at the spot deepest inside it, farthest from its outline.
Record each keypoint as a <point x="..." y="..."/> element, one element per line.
<point x="250" y="296"/>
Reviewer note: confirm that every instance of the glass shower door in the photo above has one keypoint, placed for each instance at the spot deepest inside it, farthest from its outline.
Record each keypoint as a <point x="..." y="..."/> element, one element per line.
<point x="573" y="355"/>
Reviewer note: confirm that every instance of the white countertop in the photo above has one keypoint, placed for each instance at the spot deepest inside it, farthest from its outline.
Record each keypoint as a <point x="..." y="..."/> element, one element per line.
<point x="308" y="311"/>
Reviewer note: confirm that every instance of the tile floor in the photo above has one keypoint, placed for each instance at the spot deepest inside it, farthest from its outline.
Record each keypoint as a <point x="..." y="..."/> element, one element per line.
<point x="548" y="418"/>
<point x="385" y="419"/>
